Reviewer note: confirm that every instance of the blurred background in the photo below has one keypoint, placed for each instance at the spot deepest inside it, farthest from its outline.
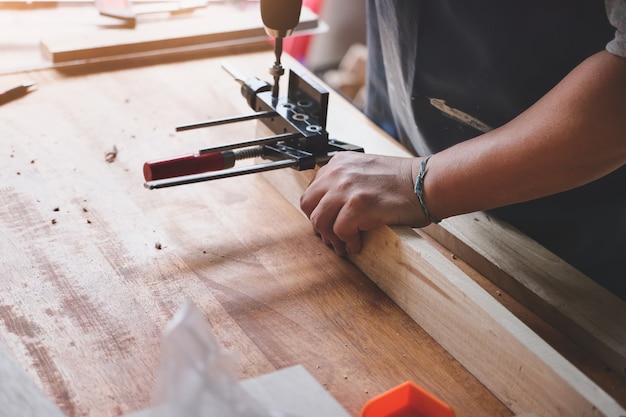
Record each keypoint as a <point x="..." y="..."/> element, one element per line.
<point x="34" y="34"/>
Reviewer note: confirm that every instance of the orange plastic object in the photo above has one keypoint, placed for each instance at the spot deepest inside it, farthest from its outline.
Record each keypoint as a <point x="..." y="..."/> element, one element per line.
<point x="406" y="400"/>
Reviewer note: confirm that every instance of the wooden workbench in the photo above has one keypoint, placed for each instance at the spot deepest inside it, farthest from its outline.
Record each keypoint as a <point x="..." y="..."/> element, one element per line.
<point x="93" y="265"/>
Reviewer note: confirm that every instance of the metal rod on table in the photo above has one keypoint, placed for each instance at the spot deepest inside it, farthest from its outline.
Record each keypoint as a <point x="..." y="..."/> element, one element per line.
<point x="234" y="73"/>
<point x="215" y="175"/>
<point x="253" y="142"/>
<point x="277" y="69"/>
<point x="208" y="123"/>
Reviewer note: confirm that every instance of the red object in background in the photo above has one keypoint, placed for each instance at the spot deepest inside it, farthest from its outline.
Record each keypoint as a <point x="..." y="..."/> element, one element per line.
<point x="406" y="400"/>
<point x="298" y="46"/>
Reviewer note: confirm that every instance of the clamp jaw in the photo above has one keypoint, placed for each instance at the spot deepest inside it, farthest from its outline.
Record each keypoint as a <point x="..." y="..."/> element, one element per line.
<point x="300" y="139"/>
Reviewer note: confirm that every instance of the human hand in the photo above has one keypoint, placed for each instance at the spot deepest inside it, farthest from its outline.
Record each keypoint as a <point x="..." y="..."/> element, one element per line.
<point x="356" y="192"/>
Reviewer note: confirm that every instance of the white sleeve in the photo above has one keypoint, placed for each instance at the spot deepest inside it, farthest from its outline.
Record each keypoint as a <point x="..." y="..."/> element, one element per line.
<point x="616" y="12"/>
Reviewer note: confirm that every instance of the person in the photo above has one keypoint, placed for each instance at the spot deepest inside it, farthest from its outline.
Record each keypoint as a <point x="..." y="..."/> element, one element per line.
<point x="516" y="108"/>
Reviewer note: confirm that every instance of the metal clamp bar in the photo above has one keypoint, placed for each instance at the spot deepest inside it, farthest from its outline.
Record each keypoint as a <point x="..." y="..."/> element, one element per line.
<point x="253" y="142"/>
<point x="209" y="123"/>
<point x="215" y="175"/>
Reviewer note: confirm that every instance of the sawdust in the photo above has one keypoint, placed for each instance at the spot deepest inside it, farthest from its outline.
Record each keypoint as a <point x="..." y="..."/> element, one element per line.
<point x="111" y="155"/>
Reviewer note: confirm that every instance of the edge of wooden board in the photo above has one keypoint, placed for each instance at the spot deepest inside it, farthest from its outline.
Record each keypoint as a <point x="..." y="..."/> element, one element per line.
<point x="512" y="361"/>
<point x="541" y="281"/>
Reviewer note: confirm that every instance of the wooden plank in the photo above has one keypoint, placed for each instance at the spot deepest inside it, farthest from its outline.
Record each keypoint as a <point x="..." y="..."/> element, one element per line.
<point x="218" y="28"/>
<point x="540" y="280"/>
<point x="514" y="363"/>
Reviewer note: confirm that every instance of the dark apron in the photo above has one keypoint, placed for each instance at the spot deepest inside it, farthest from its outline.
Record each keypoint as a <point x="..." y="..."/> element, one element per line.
<point x="493" y="59"/>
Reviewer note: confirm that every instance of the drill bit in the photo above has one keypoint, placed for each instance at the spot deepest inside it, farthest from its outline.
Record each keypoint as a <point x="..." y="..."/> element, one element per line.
<point x="277" y="69"/>
<point x="280" y="17"/>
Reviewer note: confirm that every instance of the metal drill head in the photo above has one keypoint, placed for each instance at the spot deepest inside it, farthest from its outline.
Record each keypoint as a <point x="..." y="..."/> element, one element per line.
<point x="280" y="17"/>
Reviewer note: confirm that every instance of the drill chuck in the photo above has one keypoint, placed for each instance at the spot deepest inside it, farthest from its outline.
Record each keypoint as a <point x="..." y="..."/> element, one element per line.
<point x="280" y="17"/>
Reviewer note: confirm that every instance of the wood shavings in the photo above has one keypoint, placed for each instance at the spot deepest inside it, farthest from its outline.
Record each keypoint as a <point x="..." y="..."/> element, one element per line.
<point x="111" y="155"/>
<point x="158" y="246"/>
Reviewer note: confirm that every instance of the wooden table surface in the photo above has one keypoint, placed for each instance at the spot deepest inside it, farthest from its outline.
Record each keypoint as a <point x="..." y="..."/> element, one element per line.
<point x="94" y="266"/>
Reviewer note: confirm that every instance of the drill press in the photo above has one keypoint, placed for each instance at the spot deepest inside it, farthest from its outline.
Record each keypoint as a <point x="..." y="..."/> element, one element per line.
<point x="298" y="121"/>
<point x="280" y="17"/>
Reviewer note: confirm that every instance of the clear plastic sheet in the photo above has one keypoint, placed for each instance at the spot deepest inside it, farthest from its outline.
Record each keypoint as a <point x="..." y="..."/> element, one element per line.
<point x="196" y="378"/>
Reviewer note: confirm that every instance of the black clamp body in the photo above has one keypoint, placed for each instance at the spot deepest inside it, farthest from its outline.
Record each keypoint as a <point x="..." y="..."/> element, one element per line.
<point x="298" y="122"/>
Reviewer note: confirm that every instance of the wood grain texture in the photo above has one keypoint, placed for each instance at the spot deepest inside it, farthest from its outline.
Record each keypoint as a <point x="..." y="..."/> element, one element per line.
<point x="85" y="291"/>
<point x="553" y="289"/>
<point x="514" y="363"/>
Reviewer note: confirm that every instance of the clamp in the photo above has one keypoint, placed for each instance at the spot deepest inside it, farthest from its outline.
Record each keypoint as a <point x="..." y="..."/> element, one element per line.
<point x="300" y="139"/>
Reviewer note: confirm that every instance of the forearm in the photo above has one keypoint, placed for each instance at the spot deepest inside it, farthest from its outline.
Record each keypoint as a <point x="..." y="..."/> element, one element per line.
<point x="572" y="136"/>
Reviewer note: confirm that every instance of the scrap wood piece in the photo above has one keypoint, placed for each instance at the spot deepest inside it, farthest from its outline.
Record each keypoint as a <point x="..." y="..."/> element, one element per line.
<point x="127" y="12"/>
<point x="219" y="27"/>
<point x="554" y="290"/>
<point x="111" y="155"/>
